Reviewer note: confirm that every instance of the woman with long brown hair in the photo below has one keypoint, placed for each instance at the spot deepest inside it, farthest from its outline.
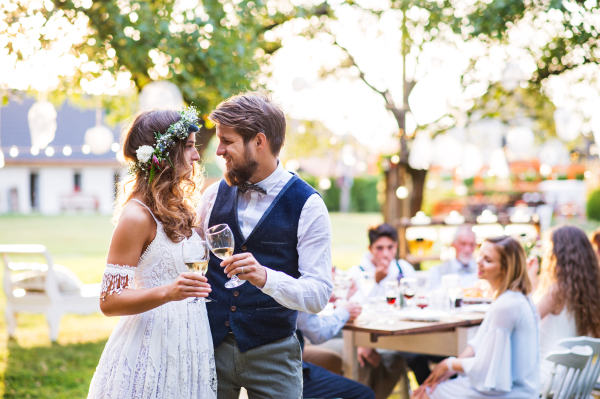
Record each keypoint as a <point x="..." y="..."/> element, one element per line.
<point x="502" y="360"/>
<point x="568" y="296"/>
<point x="162" y="347"/>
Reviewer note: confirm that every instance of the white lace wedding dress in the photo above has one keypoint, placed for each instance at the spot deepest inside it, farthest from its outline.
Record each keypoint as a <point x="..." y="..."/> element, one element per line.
<point x="166" y="352"/>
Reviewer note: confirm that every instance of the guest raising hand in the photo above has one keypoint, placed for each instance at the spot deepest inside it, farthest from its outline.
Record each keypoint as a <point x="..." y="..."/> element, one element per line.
<point x="502" y="361"/>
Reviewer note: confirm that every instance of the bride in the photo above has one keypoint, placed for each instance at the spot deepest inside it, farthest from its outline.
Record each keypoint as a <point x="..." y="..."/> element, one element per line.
<point x="162" y="348"/>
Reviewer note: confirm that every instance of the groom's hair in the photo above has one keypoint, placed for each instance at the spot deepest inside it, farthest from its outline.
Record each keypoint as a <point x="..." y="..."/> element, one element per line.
<point x="252" y="113"/>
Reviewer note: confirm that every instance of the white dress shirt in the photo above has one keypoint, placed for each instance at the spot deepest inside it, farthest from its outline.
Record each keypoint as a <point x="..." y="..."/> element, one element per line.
<point x="319" y="329"/>
<point x="311" y="292"/>
<point x="366" y="264"/>
<point x="467" y="273"/>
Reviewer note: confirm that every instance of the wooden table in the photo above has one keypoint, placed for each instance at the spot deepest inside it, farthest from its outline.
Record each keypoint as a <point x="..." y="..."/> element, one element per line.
<point x="447" y="337"/>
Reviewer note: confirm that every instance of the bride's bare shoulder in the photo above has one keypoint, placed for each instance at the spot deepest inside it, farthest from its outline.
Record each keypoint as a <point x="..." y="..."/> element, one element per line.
<point x="135" y="216"/>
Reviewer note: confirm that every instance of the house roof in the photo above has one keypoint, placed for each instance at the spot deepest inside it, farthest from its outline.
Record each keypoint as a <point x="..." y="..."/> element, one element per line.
<point x="72" y="122"/>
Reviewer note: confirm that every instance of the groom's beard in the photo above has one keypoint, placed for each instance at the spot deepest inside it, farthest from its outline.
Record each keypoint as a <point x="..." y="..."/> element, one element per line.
<point x="241" y="171"/>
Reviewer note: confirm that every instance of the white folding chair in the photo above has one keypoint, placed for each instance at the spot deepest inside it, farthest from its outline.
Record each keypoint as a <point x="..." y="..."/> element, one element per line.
<point x="590" y="373"/>
<point x="49" y="301"/>
<point x="575" y="360"/>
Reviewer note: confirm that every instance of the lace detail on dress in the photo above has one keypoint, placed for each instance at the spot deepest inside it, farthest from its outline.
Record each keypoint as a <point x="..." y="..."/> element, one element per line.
<point x="116" y="278"/>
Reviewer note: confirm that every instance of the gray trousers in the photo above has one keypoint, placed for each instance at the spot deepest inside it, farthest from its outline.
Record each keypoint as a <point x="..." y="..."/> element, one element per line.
<point x="272" y="371"/>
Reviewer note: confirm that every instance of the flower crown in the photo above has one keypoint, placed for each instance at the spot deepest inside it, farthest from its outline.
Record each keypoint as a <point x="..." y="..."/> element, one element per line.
<point x="150" y="158"/>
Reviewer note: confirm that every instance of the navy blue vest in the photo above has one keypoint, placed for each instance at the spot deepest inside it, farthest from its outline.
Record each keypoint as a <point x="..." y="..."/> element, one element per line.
<point x="254" y="317"/>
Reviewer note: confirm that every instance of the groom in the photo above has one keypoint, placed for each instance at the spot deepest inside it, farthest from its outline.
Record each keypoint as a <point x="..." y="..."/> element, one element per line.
<point x="282" y="249"/>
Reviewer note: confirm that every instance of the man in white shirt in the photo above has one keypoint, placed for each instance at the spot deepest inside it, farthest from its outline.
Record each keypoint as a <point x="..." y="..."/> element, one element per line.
<point x="463" y="265"/>
<point x="282" y="249"/>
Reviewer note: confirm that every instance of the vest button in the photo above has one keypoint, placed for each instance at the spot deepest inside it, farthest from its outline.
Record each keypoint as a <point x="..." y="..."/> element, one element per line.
<point x="236" y="294"/>
<point x="227" y="323"/>
<point x="244" y="248"/>
<point x="233" y="308"/>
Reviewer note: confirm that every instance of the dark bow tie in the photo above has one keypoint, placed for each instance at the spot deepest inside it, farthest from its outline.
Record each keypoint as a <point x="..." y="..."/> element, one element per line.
<point x="252" y="187"/>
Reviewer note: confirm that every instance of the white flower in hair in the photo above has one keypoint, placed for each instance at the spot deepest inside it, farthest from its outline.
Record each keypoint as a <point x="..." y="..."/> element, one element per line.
<point x="144" y="153"/>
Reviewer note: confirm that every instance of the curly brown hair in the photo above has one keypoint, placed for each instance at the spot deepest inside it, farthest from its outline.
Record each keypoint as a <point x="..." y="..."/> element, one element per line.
<point x="175" y="189"/>
<point x="572" y="271"/>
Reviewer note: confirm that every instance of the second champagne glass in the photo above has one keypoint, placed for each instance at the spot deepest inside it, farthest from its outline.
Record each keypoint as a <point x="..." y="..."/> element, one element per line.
<point x="195" y="256"/>
<point x="221" y="243"/>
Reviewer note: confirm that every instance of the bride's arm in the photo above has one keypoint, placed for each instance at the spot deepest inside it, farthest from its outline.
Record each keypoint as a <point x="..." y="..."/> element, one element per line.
<point x="135" y="230"/>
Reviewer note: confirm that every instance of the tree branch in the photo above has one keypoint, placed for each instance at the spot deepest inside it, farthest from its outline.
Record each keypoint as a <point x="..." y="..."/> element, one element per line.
<point x="385" y="94"/>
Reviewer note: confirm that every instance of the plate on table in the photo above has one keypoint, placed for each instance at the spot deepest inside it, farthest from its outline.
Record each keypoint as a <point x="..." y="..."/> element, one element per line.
<point x="422" y="315"/>
<point x="477" y="308"/>
<point x="474" y="300"/>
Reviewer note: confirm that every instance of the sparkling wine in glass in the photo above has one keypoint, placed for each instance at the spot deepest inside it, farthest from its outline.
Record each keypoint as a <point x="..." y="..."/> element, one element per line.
<point x="366" y="282"/>
<point x="221" y="243"/>
<point x="195" y="256"/>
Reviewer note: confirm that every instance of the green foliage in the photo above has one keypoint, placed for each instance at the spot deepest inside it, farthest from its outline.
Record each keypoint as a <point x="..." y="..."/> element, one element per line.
<point x="210" y="52"/>
<point x="363" y="194"/>
<point x="574" y="45"/>
<point x="593" y="205"/>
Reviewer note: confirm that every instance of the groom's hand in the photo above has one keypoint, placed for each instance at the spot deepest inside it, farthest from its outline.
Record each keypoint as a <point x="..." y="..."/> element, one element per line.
<point x="254" y="272"/>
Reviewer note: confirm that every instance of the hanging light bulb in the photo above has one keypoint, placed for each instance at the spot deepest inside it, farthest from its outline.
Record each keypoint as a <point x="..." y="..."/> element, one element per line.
<point x="35" y="150"/>
<point x="14" y="151"/>
<point x="448" y="151"/>
<point x="67" y="151"/>
<point x="472" y="161"/>
<point x="162" y="95"/>
<point x="428" y="100"/>
<point x="421" y="152"/>
<point x="520" y="139"/>
<point x="49" y="151"/>
<point x="498" y="164"/>
<point x="554" y="153"/>
<point x="41" y="118"/>
<point x="512" y="76"/>
<point x="99" y="139"/>
<point x="567" y="124"/>
<point x="1" y="159"/>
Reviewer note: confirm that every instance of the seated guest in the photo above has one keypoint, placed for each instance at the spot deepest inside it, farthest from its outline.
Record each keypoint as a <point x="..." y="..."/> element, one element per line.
<point x="463" y="265"/>
<point x="381" y="261"/>
<point x="382" y="368"/>
<point x="318" y="381"/>
<point x="502" y="361"/>
<point x="320" y="329"/>
<point x="568" y="295"/>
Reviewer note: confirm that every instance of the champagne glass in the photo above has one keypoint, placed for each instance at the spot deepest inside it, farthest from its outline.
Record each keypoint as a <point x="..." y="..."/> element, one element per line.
<point x="366" y="282"/>
<point x="408" y="286"/>
<point x="195" y="256"/>
<point x="221" y="243"/>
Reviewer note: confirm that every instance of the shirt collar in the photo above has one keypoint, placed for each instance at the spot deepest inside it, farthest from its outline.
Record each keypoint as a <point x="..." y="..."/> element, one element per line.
<point x="459" y="267"/>
<point x="270" y="182"/>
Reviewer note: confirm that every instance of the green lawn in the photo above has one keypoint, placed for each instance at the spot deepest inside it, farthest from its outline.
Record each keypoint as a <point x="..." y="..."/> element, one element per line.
<point x="32" y="367"/>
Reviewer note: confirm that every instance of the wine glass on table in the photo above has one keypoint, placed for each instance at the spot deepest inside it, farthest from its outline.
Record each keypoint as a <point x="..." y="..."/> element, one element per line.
<point x="366" y="282"/>
<point x="422" y="300"/>
<point x="408" y="287"/>
<point x="195" y="257"/>
<point x="221" y="243"/>
<point x="391" y="293"/>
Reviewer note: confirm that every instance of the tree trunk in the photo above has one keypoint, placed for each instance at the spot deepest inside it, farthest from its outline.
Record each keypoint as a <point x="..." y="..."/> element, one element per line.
<point x="418" y="187"/>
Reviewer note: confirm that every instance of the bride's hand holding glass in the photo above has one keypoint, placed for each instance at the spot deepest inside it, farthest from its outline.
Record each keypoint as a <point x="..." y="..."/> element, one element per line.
<point x="187" y="285"/>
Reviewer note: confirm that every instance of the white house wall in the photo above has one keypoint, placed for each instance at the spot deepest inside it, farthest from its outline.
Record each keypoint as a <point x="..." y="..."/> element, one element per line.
<point x="100" y="182"/>
<point x="53" y="184"/>
<point x="15" y="178"/>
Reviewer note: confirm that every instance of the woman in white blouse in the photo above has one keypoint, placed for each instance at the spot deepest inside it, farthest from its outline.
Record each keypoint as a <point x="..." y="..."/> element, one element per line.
<point x="502" y="361"/>
<point x="568" y="296"/>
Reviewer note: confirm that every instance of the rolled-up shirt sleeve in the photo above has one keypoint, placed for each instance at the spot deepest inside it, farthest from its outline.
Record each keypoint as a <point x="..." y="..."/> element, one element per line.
<point x="311" y="292"/>
<point x="319" y="329"/>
